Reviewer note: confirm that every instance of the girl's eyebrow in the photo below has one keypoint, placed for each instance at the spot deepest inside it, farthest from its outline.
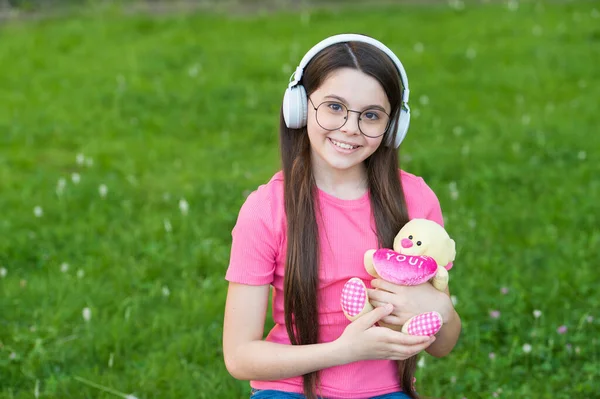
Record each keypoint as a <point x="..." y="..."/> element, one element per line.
<point x="372" y="106"/>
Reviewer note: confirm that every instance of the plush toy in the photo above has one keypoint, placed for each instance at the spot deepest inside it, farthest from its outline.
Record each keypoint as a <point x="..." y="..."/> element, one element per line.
<point x="423" y="251"/>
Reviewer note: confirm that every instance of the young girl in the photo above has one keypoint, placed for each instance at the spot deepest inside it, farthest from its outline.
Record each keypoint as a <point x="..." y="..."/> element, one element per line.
<point x="305" y="232"/>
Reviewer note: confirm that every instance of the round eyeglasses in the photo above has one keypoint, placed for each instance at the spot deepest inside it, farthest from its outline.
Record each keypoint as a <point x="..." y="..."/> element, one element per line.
<point x="332" y="115"/>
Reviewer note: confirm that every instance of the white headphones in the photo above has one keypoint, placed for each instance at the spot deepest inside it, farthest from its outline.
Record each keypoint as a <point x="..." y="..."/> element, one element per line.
<point x="295" y="101"/>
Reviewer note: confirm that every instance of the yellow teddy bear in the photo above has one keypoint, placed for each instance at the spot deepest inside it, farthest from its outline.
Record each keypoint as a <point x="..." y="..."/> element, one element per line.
<point x="423" y="251"/>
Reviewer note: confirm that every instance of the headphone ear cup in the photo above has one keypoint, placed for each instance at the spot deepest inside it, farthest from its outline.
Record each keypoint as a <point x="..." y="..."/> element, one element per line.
<point x="295" y="107"/>
<point x="399" y="128"/>
<point x="403" y="124"/>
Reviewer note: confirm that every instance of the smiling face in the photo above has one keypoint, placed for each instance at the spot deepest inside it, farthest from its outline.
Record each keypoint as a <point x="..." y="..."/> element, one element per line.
<point x="344" y="149"/>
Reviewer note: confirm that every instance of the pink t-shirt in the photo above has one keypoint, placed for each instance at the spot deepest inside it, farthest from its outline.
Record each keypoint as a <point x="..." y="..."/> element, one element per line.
<point x="258" y="256"/>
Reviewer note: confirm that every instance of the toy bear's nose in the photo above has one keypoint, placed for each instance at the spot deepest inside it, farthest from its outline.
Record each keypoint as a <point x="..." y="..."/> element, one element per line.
<point x="406" y="243"/>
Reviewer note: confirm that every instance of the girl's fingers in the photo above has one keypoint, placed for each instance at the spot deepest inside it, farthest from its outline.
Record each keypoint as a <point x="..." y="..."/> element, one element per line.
<point x="391" y="319"/>
<point x="404" y="352"/>
<point x="385" y="285"/>
<point x="399" y="338"/>
<point x="381" y="296"/>
<point x="377" y="304"/>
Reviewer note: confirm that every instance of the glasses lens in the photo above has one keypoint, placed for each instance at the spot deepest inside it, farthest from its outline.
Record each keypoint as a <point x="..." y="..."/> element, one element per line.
<point x="373" y="122"/>
<point x="331" y="115"/>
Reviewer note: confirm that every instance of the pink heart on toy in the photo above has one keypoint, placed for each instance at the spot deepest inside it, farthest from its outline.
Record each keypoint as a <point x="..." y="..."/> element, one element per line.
<point x="403" y="269"/>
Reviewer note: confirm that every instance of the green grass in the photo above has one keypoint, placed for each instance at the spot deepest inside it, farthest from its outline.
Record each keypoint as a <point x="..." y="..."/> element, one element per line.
<point x="164" y="108"/>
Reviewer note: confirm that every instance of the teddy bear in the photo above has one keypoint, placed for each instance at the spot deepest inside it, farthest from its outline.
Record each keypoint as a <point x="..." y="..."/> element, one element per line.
<point x="422" y="251"/>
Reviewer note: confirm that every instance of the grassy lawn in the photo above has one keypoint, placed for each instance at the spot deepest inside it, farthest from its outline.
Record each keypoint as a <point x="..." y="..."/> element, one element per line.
<point x="128" y="143"/>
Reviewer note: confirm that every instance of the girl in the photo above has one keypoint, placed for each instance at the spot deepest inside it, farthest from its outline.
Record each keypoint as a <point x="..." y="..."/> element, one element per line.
<point x="305" y="233"/>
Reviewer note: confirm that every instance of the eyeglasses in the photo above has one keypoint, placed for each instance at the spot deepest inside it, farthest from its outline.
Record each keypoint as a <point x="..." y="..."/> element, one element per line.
<point x="332" y="115"/>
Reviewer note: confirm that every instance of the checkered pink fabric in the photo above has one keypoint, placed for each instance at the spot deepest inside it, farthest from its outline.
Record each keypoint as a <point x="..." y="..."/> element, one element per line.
<point x="354" y="296"/>
<point x="425" y="324"/>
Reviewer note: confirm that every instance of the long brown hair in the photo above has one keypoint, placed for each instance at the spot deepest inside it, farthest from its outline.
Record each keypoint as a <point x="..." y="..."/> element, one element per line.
<point x="386" y="196"/>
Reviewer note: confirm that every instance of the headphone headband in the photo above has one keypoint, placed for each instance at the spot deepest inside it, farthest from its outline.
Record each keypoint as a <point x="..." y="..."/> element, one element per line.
<point x="351" y="37"/>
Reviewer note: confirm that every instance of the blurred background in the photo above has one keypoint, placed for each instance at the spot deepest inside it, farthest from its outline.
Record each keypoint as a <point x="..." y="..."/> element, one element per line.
<point x="131" y="133"/>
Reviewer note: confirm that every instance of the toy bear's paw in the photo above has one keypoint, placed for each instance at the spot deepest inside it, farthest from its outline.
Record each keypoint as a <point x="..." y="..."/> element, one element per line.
<point x="426" y="324"/>
<point x="354" y="297"/>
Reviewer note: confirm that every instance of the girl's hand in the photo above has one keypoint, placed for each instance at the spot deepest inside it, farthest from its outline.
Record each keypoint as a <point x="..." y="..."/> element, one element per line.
<point x="409" y="301"/>
<point x="362" y="340"/>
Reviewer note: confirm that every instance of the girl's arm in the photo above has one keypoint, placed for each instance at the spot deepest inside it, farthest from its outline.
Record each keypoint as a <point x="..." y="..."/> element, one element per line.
<point x="411" y="301"/>
<point x="248" y="357"/>
<point x="448" y="334"/>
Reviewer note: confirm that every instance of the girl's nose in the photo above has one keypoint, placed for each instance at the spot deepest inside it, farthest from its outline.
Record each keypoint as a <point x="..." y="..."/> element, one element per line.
<point x="351" y="125"/>
<point x="406" y="243"/>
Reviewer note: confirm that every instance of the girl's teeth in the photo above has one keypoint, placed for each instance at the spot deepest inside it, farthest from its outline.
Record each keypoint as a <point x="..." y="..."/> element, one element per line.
<point x="342" y="145"/>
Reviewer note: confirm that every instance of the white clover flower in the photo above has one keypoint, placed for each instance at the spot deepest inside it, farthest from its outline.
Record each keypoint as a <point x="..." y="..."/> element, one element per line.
<point x="12" y="356"/>
<point x="513" y="5"/>
<point x="102" y="190"/>
<point x="193" y="70"/>
<point x="457" y="130"/>
<point x="537" y="313"/>
<point x="132" y="180"/>
<point x="60" y="185"/>
<point x="424" y="100"/>
<point x="471" y="53"/>
<point x="305" y="18"/>
<point x="111" y="360"/>
<point x="418" y="47"/>
<point x="184" y="206"/>
<point x="526" y="348"/>
<point x="465" y="150"/>
<point x="167" y="225"/>
<point x="75" y="178"/>
<point x="581" y="155"/>
<point x="453" y="190"/>
<point x="165" y="291"/>
<point x="80" y="273"/>
<point x="525" y="119"/>
<point x="3" y="272"/>
<point x="286" y="69"/>
<point x="456" y="4"/>
<point x="64" y="267"/>
<point x="80" y="159"/>
<point x="87" y="314"/>
<point x="421" y="362"/>
<point x="38" y="211"/>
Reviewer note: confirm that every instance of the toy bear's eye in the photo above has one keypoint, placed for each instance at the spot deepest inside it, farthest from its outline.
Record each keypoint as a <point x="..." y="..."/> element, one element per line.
<point x="418" y="242"/>
<point x="410" y="237"/>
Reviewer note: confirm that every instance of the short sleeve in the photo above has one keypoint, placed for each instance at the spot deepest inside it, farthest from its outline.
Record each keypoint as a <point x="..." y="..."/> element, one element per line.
<point x="254" y="244"/>
<point x="433" y="209"/>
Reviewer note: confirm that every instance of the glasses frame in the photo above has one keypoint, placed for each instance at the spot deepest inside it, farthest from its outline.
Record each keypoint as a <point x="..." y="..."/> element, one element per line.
<point x="348" y="110"/>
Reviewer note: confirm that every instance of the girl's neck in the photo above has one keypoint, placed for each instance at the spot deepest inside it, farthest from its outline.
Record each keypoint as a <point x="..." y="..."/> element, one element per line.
<point x="347" y="184"/>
